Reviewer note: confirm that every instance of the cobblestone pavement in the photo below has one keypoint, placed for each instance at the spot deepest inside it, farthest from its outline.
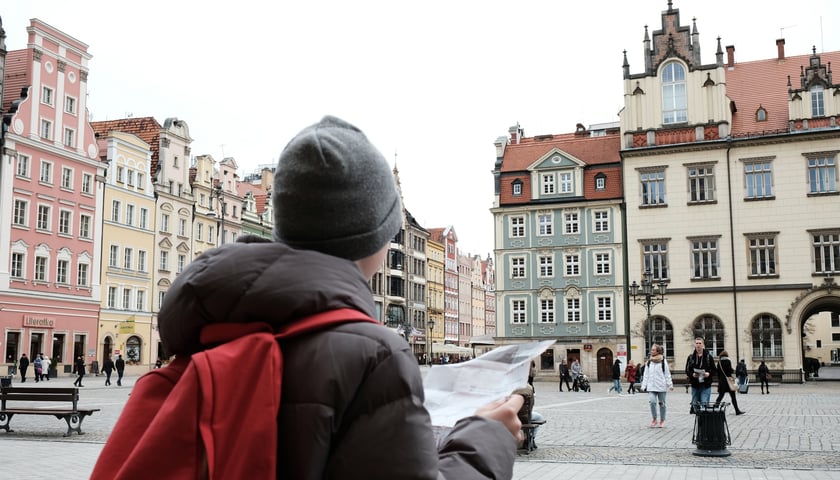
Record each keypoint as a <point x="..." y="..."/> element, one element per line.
<point x="793" y="433"/>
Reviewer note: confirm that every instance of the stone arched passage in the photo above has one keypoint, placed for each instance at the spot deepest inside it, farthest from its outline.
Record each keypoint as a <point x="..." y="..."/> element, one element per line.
<point x="824" y="297"/>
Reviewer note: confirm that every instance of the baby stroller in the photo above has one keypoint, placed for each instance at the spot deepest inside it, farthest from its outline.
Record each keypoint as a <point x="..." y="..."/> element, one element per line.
<point x="582" y="383"/>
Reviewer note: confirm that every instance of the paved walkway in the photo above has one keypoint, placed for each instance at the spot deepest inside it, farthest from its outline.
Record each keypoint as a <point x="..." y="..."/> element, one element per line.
<point x="793" y="433"/>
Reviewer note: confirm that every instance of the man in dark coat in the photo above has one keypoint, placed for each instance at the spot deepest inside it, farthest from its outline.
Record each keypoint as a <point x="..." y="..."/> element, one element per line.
<point x="79" y="367"/>
<point x="120" y="364"/>
<point x="23" y="365"/>
<point x="108" y="367"/>
<point x="698" y="368"/>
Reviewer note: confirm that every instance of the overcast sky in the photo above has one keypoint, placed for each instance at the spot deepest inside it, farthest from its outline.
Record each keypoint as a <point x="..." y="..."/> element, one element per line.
<point x="432" y="83"/>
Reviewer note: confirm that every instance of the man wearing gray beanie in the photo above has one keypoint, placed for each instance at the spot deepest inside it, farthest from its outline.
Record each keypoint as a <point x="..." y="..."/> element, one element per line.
<point x="352" y="395"/>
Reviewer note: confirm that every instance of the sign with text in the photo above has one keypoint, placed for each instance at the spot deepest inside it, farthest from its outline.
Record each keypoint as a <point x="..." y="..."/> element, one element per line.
<point x="36" y="321"/>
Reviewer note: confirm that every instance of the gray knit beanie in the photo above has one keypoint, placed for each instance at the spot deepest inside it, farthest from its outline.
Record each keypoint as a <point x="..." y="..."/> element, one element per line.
<point x="334" y="192"/>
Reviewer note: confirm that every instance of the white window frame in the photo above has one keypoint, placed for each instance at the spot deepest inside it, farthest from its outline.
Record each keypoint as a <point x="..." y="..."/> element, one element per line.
<point x="573" y="312"/>
<point x="144" y="218"/>
<point x="114" y="256"/>
<point x="65" y="222"/>
<point x="67" y="178"/>
<point x="47" y="95"/>
<point x="652" y="188"/>
<point x="601" y="221"/>
<point x="70" y="105"/>
<point x="62" y="271"/>
<point x="817" y="101"/>
<point x="707" y="251"/>
<point x="164" y="222"/>
<point x="129" y="214"/>
<point x="112" y="297"/>
<point x="23" y="165"/>
<point x="547" y="311"/>
<point x="116" y="209"/>
<point x="763" y="258"/>
<point x="518" y="311"/>
<point x="674" y="94"/>
<point x="572" y="265"/>
<point x="84" y="226"/>
<point x="546" y="266"/>
<point x="164" y="261"/>
<point x="603" y="263"/>
<point x="17" y="265"/>
<point x="46" y="129"/>
<point x="566" y="182"/>
<point x="571" y="223"/>
<point x="87" y="183"/>
<point x="545" y="224"/>
<point x="758" y="179"/>
<point x="604" y="308"/>
<point x="822" y="174"/>
<point x="20" y="215"/>
<point x="69" y="137"/>
<point x="548" y="182"/>
<point x="701" y="183"/>
<point x="126" y="298"/>
<point x="45" y="172"/>
<point x="182" y="227"/>
<point x="82" y="274"/>
<point x="140" y="300"/>
<point x="142" y="255"/>
<point x="128" y="258"/>
<point x="43" y="219"/>
<point x="41" y="271"/>
<point x="517" y="268"/>
<point x="517" y="226"/>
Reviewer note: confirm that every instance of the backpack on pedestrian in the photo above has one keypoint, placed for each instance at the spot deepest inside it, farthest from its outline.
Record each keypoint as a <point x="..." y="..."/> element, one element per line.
<point x="189" y="419"/>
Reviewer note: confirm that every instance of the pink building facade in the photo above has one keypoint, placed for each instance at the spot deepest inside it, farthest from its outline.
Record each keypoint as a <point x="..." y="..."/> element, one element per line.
<point x="51" y="188"/>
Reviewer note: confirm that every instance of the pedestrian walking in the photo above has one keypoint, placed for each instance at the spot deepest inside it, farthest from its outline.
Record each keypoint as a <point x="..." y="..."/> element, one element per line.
<point x="616" y="377"/>
<point x="23" y="365"/>
<point x="576" y="375"/>
<point x="741" y="374"/>
<point x="38" y="366"/>
<point x="657" y="382"/>
<point x="120" y="366"/>
<point x="698" y="368"/>
<point x="630" y="375"/>
<point x="564" y="375"/>
<point x="79" y="369"/>
<point x="46" y="364"/>
<point x="108" y="367"/>
<point x="726" y="384"/>
<point x="532" y="372"/>
<point x="764" y="377"/>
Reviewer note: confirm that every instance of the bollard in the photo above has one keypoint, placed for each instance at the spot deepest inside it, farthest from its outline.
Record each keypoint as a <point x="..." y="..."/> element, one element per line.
<point x="711" y="432"/>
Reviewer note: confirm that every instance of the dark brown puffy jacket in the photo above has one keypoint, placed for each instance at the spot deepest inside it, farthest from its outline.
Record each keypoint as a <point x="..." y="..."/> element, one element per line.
<point x="352" y="399"/>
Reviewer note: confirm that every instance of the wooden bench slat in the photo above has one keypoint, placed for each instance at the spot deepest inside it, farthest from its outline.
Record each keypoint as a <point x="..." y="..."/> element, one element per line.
<point x="73" y="416"/>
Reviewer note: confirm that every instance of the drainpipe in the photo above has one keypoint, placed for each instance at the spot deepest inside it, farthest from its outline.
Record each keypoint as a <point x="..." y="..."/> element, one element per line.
<point x="626" y="279"/>
<point x="732" y="250"/>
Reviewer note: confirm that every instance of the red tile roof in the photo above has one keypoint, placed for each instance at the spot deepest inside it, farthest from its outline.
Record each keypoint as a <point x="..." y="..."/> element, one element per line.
<point x="592" y="150"/>
<point x="764" y="83"/>
<point x="260" y="194"/>
<point x="17" y="76"/>
<point x="145" y="128"/>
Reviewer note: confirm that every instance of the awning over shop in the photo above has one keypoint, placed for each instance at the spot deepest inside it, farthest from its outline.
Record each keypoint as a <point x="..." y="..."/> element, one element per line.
<point x="482" y="340"/>
<point x="445" y="348"/>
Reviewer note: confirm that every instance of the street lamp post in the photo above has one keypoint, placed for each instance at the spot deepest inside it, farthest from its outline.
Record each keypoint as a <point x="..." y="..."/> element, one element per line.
<point x="430" y="339"/>
<point x="219" y="194"/>
<point x="648" y="295"/>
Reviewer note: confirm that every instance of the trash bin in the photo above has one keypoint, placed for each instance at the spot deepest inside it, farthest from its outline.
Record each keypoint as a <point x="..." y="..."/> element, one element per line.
<point x="12" y="370"/>
<point x="6" y="381"/>
<point x="711" y="432"/>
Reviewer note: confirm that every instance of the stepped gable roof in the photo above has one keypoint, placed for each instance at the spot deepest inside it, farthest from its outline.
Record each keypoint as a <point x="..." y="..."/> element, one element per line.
<point x="764" y="83"/>
<point x="146" y="128"/>
<point x="260" y="194"/>
<point x="592" y="150"/>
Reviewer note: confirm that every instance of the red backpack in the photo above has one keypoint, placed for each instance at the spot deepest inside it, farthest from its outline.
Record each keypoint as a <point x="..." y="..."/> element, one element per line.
<point x="194" y="418"/>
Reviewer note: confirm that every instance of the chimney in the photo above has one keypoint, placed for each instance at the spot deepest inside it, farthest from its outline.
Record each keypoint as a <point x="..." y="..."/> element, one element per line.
<point x="780" y="46"/>
<point x="730" y="56"/>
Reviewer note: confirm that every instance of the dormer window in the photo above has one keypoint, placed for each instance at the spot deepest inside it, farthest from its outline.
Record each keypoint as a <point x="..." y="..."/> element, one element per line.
<point x="761" y="115"/>
<point x="600" y="181"/>
<point x="817" y="101"/>
<point x="673" y="94"/>
<point x="548" y="184"/>
<point x="517" y="188"/>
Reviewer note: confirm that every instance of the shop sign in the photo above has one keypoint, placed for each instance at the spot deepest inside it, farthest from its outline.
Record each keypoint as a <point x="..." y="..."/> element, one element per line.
<point x="38" y="322"/>
<point x="587" y="347"/>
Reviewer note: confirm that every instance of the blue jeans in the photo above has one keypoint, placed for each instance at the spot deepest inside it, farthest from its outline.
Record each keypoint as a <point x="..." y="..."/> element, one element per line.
<point x="701" y="395"/>
<point x="657" y="398"/>
<point x="616" y="386"/>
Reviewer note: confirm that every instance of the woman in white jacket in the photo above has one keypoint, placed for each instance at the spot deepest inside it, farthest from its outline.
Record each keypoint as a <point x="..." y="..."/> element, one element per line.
<point x="657" y="381"/>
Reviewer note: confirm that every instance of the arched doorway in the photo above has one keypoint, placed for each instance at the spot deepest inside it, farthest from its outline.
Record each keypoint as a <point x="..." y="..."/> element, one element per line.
<point x="605" y="361"/>
<point x="107" y="348"/>
<point x="811" y="318"/>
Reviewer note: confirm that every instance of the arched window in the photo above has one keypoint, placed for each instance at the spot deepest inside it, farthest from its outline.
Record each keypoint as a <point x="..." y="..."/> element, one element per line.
<point x="673" y="94"/>
<point x="766" y="337"/>
<point x="710" y="329"/>
<point x="761" y="115"/>
<point x="132" y="349"/>
<point x="662" y="333"/>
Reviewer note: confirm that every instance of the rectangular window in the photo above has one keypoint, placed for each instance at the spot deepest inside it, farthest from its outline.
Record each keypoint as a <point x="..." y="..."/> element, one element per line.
<point x="565" y="183"/>
<point x="46" y="172"/>
<point x="70" y="105"/>
<point x="762" y="255"/>
<point x="66" y="178"/>
<point x="82" y="277"/>
<point x="47" y="96"/>
<point x="113" y="256"/>
<point x="518" y="311"/>
<point x="164" y="261"/>
<point x="128" y="258"/>
<point x="758" y="179"/>
<point x="653" y="188"/>
<point x="22" y="166"/>
<point x="140" y="180"/>
<point x="115" y="211"/>
<point x="572" y="265"/>
<point x="43" y="218"/>
<point x="605" y="313"/>
<point x="199" y="231"/>
<point x="126" y="302"/>
<point x="655" y="258"/>
<point x="546" y="224"/>
<point x="141" y="261"/>
<point x="822" y="175"/>
<point x="602" y="263"/>
<point x="517" y="227"/>
<point x="182" y="262"/>
<point x="19" y="215"/>
<point x="547" y="310"/>
<point x="546" y="266"/>
<point x="826" y="247"/>
<point x="140" y="304"/>
<point x="517" y="267"/>
<point x="573" y="310"/>
<point x="61" y="272"/>
<point x="548" y="186"/>
<point x="129" y="215"/>
<point x="41" y="269"/>
<point x="817" y="101"/>
<point x="130" y="178"/>
<point x="112" y="297"/>
<point x="210" y="233"/>
<point x="64" y="219"/>
<point x="87" y="183"/>
<point x="144" y="218"/>
<point x="46" y="129"/>
<point x="17" y="265"/>
<point x="69" y="137"/>
<point x="161" y="296"/>
<point x="182" y="227"/>
<point x="164" y="222"/>
<point x="572" y="223"/>
<point x="517" y="189"/>
<point x="120" y="174"/>
<point x="701" y="184"/>
<point x="601" y="221"/>
<point x="704" y="259"/>
<point x="84" y="226"/>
